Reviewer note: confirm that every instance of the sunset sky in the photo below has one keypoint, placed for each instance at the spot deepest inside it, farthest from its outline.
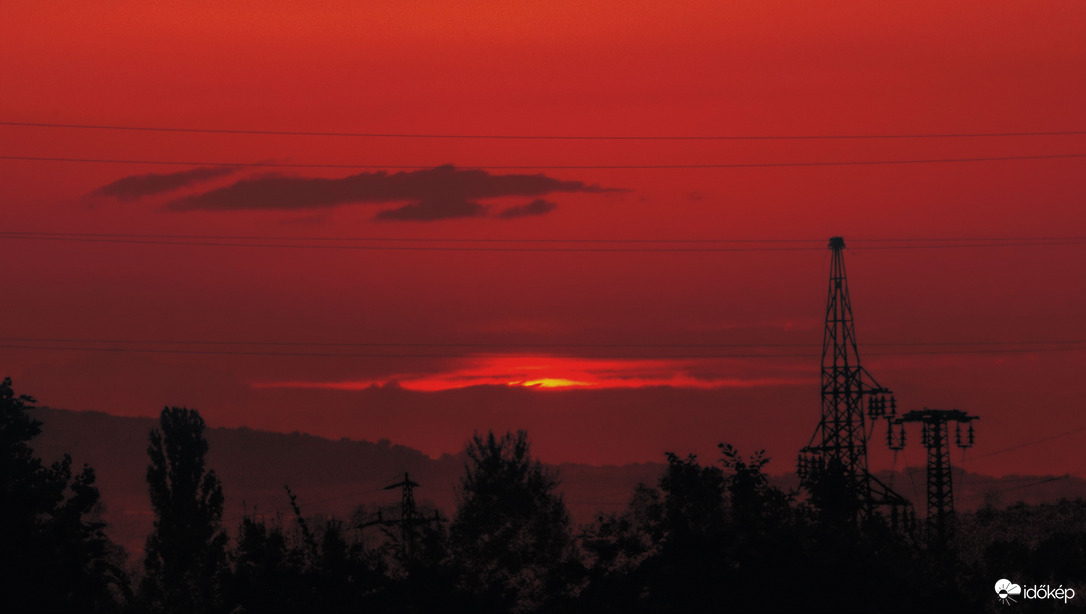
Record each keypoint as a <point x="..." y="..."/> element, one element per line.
<point x="368" y="272"/>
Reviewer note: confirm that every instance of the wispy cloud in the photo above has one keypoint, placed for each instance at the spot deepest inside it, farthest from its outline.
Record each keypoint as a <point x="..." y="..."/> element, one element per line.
<point x="431" y="194"/>
<point x="138" y="186"/>
<point x="536" y="207"/>
<point x="435" y="209"/>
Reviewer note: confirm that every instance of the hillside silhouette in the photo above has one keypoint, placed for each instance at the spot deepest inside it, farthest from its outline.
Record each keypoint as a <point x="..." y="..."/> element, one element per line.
<point x="330" y="477"/>
<point x="333" y="477"/>
<point x="690" y="537"/>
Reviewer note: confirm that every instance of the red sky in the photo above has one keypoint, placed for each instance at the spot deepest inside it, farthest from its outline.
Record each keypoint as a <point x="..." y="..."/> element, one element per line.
<point x="556" y="68"/>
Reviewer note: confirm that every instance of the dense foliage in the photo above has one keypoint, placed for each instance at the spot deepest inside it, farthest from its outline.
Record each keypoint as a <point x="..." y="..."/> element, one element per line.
<point x="56" y="556"/>
<point x="705" y="537"/>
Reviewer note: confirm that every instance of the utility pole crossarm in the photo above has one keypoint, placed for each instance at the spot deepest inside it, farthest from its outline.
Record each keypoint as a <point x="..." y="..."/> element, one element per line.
<point x="935" y="436"/>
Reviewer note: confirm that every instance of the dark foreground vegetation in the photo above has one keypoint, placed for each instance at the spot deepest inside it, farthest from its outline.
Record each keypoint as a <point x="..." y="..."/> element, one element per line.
<point x="712" y="537"/>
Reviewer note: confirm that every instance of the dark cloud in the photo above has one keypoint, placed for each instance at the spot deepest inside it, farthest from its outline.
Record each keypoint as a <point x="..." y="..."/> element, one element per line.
<point x="536" y="207"/>
<point x="435" y="209"/>
<point x="138" y="186"/>
<point x="432" y="194"/>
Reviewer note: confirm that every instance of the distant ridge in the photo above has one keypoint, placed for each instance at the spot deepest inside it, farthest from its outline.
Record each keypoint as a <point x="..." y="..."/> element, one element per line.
<point x="329" y="476"/>
<point x="336" y="476"/>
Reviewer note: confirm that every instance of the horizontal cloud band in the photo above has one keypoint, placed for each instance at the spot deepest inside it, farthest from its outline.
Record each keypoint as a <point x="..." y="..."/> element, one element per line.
<point x="432" y="194"/>
<point x="138" y="186"/>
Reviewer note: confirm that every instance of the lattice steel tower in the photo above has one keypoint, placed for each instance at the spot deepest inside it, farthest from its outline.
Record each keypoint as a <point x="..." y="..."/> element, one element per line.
<point x="839" y="443"/>
<point x="409" y="516"/>
<point x="935" y="436"/>
<point x="407" y="512"/>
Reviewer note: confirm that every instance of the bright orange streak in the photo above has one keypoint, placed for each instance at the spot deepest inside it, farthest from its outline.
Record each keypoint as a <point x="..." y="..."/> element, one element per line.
<point x="561" y="373"/>
<point x="551" y="382"/>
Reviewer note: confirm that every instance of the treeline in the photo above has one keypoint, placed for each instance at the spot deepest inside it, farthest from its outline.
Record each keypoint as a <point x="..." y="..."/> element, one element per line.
<point x="707" y="537"/>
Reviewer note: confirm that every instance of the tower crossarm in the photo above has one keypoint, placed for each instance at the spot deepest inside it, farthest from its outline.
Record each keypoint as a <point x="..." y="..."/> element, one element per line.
<point x="935" y="436"/>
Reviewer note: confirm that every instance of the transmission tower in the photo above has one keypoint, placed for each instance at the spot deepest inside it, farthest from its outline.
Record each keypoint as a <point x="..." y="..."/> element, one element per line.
<point x="839" y="443"/>
<point x="409" y="516"/>
<point x="935" y="436"/>
<point x="407" y="510"/>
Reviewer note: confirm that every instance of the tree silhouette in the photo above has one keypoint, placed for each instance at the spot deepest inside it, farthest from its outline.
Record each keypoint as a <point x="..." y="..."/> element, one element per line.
<point x="619" y="549"/>
<point x="267" y="570"/>
<point x="511" y="532"/>
<point x="186" y="551"/>
<point x="704" y="537"/>
<point x="690" y="571"/>
<point x="56" y="556"/>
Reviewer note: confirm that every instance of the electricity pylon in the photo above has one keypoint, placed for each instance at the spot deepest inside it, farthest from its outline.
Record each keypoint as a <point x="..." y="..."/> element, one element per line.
<point x="935" y="436"/>
<point x="409" y="517"/>
<point x="407" y="511"/>
<point x="839" y="443"/>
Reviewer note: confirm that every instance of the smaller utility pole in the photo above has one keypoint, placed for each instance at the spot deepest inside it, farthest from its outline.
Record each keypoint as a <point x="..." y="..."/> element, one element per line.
<point x="935" y="436"/>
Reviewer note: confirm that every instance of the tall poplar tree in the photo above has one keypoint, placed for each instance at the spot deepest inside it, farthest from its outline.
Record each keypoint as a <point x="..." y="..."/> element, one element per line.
<point x="186" y="551"/>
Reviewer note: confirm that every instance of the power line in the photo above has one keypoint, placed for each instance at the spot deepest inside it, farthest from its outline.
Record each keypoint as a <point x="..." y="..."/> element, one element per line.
<point x="545" y="167"/>
<point x="106" y="239"/>
<point x="411" y="248"/>
<point x="542" y="137"/>
<point x="309" y="354"/>
<point x="971" y="245"/>
<point x="820" y="241"/>
<point x="1029" y="443"/>
<point x="1039" y="482"/>
<point x="989" y="351"/>
<point x="524" y="345"/>
<point x="389" y="355"/>
<point x="429" y="239"/>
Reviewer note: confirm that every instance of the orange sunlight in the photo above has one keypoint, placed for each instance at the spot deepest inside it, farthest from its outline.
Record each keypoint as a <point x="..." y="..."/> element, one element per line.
<point x="557" y="373"/>
<point x="550" y="382"/>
